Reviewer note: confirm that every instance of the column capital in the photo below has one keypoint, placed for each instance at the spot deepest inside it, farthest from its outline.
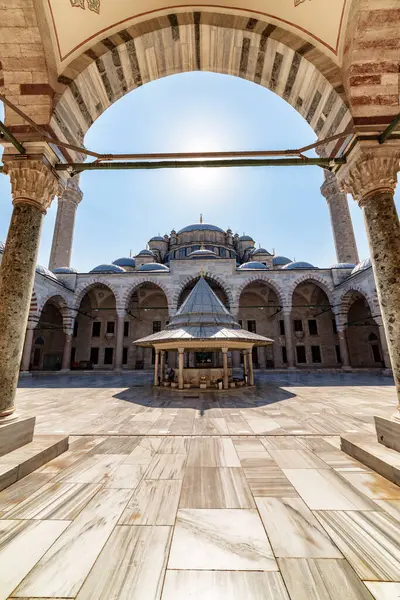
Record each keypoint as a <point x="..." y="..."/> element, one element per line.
<point x="32" y="181"/>
<point x="72" y="193"/>
<point x="121" y="313"/>
<point x="369" y="169"/>
<point x="224" y="350"/>
<point x="287" y="310"/>
<point x="330" y="188"/>
<point x="181" y="350"/>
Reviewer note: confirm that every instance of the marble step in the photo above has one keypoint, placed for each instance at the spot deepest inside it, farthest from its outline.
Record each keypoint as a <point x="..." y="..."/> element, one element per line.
<point x="388" y="432"/>
<point x="17" y="464"/>
<point x="367" y="450"/>
<point x="14" y="434"/>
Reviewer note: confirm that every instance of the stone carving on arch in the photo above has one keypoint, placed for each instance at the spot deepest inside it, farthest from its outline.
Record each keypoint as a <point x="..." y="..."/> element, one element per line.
<point x="262" y="279"/>
<point x="87" y="285"/>
<point x="202" y="41"/>
<point x="207" y="275"/>
<point x="138" y="282"/>
<point x="318" y="280"/>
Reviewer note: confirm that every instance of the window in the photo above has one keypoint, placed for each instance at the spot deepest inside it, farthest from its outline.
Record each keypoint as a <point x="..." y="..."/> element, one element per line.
<point x="282" y="327"/>
<point x="316" y="354"/>
<point x="222" y="252"/>
<point x="110" y="327"/>
<point x="312" y="327"/>
<point x="94" y="356"/>
<point x="334" y="327"/>
<point x="338" y="355"/>
<point x="96" y="328"/>
<point x="108" y="356"/>
<point x="182" y="253"/>
<point x="73" y="354"/>
<point x="125" y="356"/>
<point x="376" y="353"/>
<point x="301" y="354"/>
<point x="251" y="326"/>
<point x="298" y="325"/>
<point x="156" y="326"/>
<point x="126" y="329"/>
<point x="240" y="322"/>
<point x="284" y="355"/>
<point x="75" y="328"/>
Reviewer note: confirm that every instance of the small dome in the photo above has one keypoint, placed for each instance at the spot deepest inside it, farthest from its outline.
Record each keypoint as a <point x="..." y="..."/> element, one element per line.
<point x="125" y="262"/>
<point x="145" y="253"/>
<point x="203" y="253"/>
<point x="108" y="269"/>
<point x="245" y="238"/>
<point x="299" y="265"/>
<point x="44" y="271"/>
<point x="261" y="251"/>
<point x="200" y="227"/>
<point x="157" y="238"/>
<point x="343" y="266"/>
<point x="153" y="267"/>
<point x="280" y="261"/>
<point x="64" y="271"/>
<point x="253" y="265"/>
<point x="364" y="264"/>
<point x="2" y="246"/>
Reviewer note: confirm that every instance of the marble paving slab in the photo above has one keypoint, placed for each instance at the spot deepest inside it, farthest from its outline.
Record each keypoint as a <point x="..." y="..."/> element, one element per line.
<point x="390" y="506"/>
<point x="369" y="540"/>
<point x="223" y="585"/>
<point x="22" y="489"/>
<point x="293" y="531"/>
<point x="220" y="540"/>
<point x="373" y="485"/>
<point x="212" y="452"/>
<point x="384" y="591"/>
<point x="213" y="487"/>
<point x="131" y="565"/>
<point x="154" y="502"/>
<point x="63" y="569"/>
<point x="166" y="466"/>
<point x="297" y="459"/>
<point x="269" y="481"/>
<point x="322" y="579"/>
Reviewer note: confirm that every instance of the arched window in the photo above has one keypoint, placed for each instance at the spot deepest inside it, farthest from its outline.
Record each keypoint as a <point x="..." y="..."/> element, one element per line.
<point x="372" y="337"/>
<point x="39" y="341"/>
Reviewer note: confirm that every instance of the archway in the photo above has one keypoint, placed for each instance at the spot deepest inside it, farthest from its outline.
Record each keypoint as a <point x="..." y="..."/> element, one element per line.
<point x="94" y="337"/>
<point x="259" y="312"/>
<point x="48" y="338"/>
<point x="314" y="327"/>
<point x="217" y="287"/>
<point x="362" y="332"/>
<point x="146" y="313"/>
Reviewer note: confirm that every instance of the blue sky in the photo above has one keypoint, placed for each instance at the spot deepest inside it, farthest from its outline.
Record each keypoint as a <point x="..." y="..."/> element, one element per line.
<point x="281" y="208"/>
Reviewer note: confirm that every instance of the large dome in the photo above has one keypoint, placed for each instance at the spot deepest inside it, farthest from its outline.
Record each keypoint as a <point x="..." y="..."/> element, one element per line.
<point x="108" y="269"/>
<point x="253" y="265"/>
<point x="201" y="227"/>
<point x="299" y="265"/>
<point x="125" y="261"/>
<point x="153" y="267"/>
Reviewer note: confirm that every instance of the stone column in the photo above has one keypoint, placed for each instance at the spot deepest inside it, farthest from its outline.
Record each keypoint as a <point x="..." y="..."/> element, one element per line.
<point x="287" y="319"/>
<point x="250" y="366"/>
<point x="225" y="365"/>
<point x="180" y="363"/>
<point x="162" y="365"/>
<point x="342" y="227"/>
<point x="344" y="351"/>
<point x="370" y="175"/>
<point x="66" y="360"/>
<point x="33" y="187"/>
<point x="26" y="356"/>
<point x="245" y="365"/>
<point x="156" y="365"/>
<point x="119" y="348"/>
<point x="61" y="248"/>
<point x="384" y="345"/>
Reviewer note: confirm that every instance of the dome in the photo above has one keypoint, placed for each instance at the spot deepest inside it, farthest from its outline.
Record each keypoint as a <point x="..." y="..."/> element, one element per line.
<point x="157" y="238"/>
<point x="201" y="227"/>
<point x="64" y="271"/>
<point x="364" y="264"/>
<point x="145" y="253"/>
<point x="253" y="265"/>
<point x="2" y="246"/>
<point x="343" y="266"/>
<point x="125" y="262"/>
<point x="261" y="251"/>
<point x="299" y="265"/>
<point x="108" y="269"/>
<point x="280" y="261"/>
<point x="203" y="253"/>
<point x="245" y="238"/>
<point x="44" y="271"/>
<point x="153" y="267"/>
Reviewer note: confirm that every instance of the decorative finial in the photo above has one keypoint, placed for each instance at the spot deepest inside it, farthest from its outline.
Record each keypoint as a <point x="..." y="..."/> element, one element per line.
<point x="202" y="246"/>
<point x="201" y="217"/>
<point x="202" y="272"/>
<point x="130" y="253"/>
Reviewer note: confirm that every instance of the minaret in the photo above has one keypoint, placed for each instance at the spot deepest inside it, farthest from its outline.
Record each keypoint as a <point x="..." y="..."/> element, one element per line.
<point x="343" y="232"/>
<point x="61" y="248"/>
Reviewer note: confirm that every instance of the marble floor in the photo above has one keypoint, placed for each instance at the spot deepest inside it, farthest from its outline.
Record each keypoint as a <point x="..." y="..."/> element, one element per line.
<point x="167" y="496"/>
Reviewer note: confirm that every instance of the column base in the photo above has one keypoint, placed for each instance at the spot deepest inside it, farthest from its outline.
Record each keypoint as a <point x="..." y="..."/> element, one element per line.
<point x="117" y="370"/>
<point x="24" y="374"/>
<point x="346" y="368"/>
<point x="9" y="418"/>
<point x="387" y="372"/>
<point x="292" y="368"/>
<point x="64" y="371"/>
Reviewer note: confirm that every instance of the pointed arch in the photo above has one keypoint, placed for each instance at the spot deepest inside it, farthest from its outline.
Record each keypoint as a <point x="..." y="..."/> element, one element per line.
<point x="60" y="299"/>
<point x="348" y="297"/>
<point x="133" y="287"/>
<point x="89" y="284"/>
<point x="211" y="277"/>
<point x="267" y="281"/>
<point x="318" y="280"/>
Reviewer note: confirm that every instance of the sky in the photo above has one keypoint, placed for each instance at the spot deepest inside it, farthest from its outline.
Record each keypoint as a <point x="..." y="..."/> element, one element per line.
<point x="280" y="207"/>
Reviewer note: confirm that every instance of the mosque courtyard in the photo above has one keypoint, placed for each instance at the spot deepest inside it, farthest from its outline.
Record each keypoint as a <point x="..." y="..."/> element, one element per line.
<point x="239" y="494"/>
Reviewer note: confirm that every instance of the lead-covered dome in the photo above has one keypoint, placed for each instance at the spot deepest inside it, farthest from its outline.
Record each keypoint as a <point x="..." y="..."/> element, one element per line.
<point x="64" y="271"/>
<point x="108" y="269"/>
<point x="364" y="264"/>
<point x="154" y="267"/>
<point x="281" y="261"/>
<point x="125" y="262"/>
<point x="145" y="253"/>
<point x="246" y="238"/>
<point x="200" y="227"/>
<point x="343" y="266"/>
<point x="299" y="265"/>
<point x="203" y="253"/>
<point x="45" y="271"/>
<point x="253" y="265"/>
<point x="260" y="251"/>
<point x="2" y="246"/>
<point x="157" y="238"/>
